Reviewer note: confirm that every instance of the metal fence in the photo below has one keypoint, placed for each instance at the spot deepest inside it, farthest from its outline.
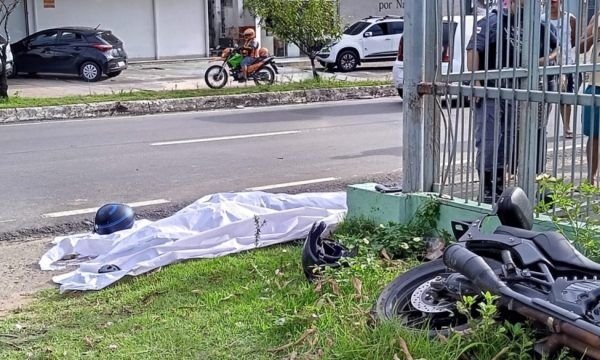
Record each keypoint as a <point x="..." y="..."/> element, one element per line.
<point x="488" y="93"/>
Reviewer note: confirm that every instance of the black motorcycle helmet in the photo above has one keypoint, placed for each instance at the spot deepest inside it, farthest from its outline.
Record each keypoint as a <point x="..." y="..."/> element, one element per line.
<point x="111" y="218"/>
<point x="318" y="253"/>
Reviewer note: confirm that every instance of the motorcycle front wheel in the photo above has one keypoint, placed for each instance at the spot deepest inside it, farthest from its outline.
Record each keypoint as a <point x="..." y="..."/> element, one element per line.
<point x="264" y="76"/>
<point x="216" y="77"/>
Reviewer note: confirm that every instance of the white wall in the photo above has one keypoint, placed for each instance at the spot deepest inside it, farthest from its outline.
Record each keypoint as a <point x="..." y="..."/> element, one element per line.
<point x="181" y="24"/>
<point x="17" y="26"/>
<point x="181" y="27"/>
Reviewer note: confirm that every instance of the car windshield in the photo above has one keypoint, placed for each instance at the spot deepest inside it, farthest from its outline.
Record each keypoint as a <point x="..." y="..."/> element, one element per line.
<point x="356" y="28"/>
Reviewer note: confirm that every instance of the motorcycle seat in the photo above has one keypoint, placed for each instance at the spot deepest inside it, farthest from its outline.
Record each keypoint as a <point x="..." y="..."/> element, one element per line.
<point x="554" y="245"/>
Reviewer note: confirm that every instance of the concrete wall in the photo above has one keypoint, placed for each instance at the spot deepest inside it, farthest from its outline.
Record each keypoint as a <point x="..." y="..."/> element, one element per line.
<point x="181" y="25"/>
<point x="17" y="23"/>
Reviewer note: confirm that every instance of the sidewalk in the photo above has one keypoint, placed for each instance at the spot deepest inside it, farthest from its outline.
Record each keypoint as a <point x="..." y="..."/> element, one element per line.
<point x="164" y="75"/>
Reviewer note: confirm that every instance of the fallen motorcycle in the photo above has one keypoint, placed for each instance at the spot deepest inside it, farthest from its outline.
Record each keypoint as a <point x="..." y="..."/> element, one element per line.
<point x="538" y="276"/>
<point x="262" y="71"/>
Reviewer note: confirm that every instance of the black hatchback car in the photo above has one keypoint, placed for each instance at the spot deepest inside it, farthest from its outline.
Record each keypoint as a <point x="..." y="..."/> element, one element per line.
<point x="88" y="52"/>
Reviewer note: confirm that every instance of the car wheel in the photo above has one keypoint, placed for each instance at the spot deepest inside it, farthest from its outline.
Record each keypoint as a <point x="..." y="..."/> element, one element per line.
<point x="90" y="71"/>
<point x="12" y="73"/>
<point x="114" y="74"/>
<point x="347" y="60"/>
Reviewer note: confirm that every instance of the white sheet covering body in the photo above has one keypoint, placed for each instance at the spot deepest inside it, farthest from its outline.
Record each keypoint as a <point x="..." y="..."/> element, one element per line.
<point x="215" y="225"/>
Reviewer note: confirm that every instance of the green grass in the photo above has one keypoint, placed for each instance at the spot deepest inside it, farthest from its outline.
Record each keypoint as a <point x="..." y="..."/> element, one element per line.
<point x="255" y="305"/>
<point x="236" y="307"/>
<point x="22" y="102"/>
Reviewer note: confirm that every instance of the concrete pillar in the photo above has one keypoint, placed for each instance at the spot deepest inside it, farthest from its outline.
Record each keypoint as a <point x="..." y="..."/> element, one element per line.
<point x="155" y="27"/>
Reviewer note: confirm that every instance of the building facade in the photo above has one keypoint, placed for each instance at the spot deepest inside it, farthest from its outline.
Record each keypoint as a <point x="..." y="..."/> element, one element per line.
<point x="150" y="29"/>
<point x="163" y="29"/>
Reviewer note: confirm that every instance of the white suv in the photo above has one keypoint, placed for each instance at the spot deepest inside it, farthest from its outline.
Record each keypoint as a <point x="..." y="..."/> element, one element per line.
<point x="9" y="57"/>
<point x="374" y="38"/>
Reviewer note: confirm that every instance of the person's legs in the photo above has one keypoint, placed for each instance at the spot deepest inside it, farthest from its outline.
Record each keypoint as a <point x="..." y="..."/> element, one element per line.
<point x="246" y="61"/>
<point x="488" y="148"/>
<point x="592" y="157"/>
<point x="565" y="110"/>
<point x="591" y="129"/>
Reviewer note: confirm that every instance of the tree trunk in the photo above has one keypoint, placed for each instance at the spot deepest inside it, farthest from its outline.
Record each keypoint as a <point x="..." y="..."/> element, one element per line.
<point x="3" y="79"/>
<point x="314" y="68"/>
<point x="3" y="86"/>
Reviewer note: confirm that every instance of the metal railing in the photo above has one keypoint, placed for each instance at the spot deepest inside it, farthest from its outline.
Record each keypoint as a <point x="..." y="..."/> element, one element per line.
<point x="487" y="95"/>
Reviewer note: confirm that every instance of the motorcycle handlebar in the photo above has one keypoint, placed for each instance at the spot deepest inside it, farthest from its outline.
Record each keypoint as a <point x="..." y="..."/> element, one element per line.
<point x="474" y="267"/>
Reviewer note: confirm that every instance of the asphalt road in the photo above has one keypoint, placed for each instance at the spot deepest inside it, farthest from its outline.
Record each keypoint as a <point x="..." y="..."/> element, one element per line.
<point x="53" y="171"/>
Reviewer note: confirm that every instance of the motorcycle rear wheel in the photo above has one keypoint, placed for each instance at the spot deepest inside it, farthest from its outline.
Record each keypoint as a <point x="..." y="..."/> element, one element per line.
<point x="216" y="77"/>
<point x="396" y="301"/>
<point x="264" y="76"/>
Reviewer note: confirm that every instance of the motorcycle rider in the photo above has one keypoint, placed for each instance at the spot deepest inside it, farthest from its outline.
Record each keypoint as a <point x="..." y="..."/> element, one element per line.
<point x="249" y="51"/>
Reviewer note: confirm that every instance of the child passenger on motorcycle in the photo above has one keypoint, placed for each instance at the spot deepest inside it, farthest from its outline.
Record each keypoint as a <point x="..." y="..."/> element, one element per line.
<point x="249" y="50"/>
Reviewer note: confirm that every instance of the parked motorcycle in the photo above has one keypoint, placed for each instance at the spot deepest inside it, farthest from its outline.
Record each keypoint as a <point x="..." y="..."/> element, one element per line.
<point x="262" y="71"/>
<point x="538" y="276"/>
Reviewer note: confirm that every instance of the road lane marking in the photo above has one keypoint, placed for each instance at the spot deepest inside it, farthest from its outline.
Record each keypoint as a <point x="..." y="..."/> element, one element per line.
<point x="290" y="184"/>
<point x="93" y="210"/>
<point x="7" y="221"/>
<point x="222" y="138"/>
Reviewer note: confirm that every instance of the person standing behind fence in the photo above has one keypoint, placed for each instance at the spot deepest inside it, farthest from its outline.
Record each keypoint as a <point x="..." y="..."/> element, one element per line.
<point x="565" y="24"/>
<point x="591" y="114"/>
<point x="490" y="149"/>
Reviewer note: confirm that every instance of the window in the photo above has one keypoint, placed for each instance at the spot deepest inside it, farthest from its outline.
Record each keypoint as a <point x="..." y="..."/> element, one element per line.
<point x="448" y="33"/>
<point x="69" y="37"/>
<point x="396" y="27"/>
<point x="356" y="28"/>
<point x="378" y="30"/>
<point x="109" y="37"/>
<point x="44" y="39"/>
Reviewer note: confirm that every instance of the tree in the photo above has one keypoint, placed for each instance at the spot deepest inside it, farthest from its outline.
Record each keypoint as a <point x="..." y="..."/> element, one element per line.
<point x="308" y="24"/>
<point x="6" y="9"/>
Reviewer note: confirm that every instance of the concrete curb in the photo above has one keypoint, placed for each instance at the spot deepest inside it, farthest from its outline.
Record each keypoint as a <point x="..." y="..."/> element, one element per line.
<point x="145" y="107"/>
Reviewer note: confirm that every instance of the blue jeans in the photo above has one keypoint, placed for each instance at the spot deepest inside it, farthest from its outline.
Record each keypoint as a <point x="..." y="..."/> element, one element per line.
<point x="247" y="61"/>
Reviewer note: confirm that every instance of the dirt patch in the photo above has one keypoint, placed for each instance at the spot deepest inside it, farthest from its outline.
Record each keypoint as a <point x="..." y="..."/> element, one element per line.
<point x="20" y="275"/>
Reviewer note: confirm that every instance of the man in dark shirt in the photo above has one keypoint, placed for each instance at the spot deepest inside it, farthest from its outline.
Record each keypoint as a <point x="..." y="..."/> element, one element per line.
<point x="493" y="124"/>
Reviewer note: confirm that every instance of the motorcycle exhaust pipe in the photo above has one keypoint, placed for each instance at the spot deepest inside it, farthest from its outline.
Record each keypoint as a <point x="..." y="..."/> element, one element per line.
<point x="555" y="342"/>
<point x="474" y="267"/>
<point x="558" y="326"/>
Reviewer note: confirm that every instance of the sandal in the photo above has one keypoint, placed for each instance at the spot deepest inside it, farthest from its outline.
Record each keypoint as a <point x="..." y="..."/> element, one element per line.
<point x="568" y="135"/>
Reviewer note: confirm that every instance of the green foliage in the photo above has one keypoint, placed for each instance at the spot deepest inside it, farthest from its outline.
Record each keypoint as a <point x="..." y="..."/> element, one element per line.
<point x="486" y="337"/>
<point x="574" y="210"/>
<point x="399" y="241"/>
<point x="308" y="24"/>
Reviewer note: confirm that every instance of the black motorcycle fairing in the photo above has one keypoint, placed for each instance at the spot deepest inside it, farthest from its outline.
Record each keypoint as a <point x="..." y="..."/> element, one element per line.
<point x="559" y="250"/>
<point x="579" y="296"/>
